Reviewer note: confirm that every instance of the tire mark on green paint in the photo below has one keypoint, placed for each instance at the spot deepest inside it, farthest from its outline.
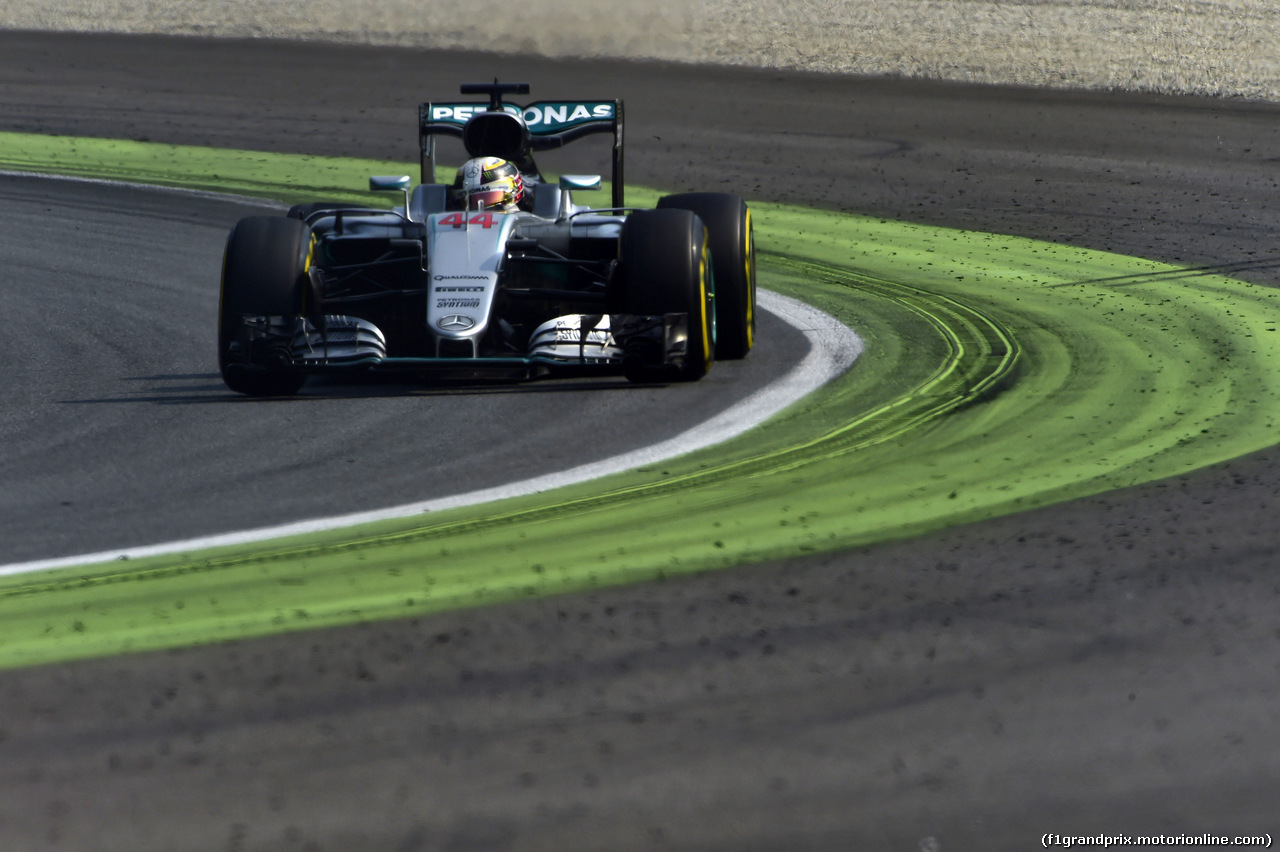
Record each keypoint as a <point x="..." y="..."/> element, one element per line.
<point x="982" y="360"/>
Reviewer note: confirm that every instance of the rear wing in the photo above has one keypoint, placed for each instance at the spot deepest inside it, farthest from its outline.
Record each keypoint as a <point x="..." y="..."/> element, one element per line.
<point x="550" y="124"/>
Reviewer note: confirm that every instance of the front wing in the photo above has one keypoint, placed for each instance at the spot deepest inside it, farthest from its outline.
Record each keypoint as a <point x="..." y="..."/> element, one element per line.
<point x="574" y="343"/>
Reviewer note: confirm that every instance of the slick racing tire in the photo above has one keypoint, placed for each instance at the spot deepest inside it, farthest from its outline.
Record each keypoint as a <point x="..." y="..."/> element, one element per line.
<point x="264" y="274"/>
<point x="665" y="260"/>
<point x="733" y="253"/>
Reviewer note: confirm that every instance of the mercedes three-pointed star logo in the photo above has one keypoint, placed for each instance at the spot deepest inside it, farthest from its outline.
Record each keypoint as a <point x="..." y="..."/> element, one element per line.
<point x="455" y="322"/>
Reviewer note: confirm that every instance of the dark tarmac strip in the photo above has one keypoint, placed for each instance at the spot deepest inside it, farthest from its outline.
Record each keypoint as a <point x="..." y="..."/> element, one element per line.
<point x="1108" y="666"/>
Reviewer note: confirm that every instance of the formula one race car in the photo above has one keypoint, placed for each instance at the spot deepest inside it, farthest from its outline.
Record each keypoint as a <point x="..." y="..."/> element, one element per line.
<point x="499" y="274"/>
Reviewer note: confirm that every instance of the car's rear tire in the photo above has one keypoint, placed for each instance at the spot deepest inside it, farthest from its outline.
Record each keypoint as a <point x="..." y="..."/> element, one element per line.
<point x="728" y="221"/>
<point x="665" y="267"/>
<point x="264" y="274"/>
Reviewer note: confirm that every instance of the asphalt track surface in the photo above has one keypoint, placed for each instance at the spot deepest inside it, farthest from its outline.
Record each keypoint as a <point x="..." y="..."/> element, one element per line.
<point x="123" y="433"/>
<point x="1121" y="652"/>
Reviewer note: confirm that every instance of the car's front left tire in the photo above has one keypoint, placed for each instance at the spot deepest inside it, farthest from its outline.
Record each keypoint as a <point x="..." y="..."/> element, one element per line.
<point x="728" y="222"/>
<point x="665" y="267"/>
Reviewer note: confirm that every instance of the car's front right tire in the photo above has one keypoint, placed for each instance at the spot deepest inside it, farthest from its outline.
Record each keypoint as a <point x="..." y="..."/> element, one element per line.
<point x="264" y="275"/>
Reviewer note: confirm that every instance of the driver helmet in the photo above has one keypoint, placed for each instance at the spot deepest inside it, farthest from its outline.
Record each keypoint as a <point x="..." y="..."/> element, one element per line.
<point x="487" y="183"/>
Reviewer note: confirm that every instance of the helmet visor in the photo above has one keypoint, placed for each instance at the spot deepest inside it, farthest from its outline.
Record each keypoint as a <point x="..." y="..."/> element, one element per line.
<point x="483" y="199"/>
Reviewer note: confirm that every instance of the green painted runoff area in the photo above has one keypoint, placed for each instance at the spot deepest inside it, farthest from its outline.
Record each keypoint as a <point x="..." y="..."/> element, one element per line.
<point x="1000" y="374"/>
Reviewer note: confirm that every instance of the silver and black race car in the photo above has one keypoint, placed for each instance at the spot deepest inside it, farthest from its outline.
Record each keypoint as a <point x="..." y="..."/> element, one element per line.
<point x="451" y="284"/>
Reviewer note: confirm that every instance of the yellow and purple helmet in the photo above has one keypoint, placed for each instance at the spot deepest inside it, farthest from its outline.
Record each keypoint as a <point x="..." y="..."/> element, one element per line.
<point x="487" y="183"/>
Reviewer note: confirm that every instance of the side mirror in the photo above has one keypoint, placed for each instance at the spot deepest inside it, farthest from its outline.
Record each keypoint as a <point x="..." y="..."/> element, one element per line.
<point x="585" y="182"/>
<point x="568" y="183"/>
<point x="392" y="183"/>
